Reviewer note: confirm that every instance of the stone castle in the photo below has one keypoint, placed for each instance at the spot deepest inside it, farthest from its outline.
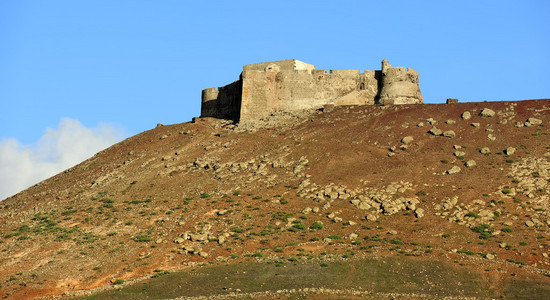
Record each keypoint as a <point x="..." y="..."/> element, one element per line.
<point x="290" y="85"/>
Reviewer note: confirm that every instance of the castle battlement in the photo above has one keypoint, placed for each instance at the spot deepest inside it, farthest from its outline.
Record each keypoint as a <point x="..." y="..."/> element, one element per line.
<point x="290" y="85"/>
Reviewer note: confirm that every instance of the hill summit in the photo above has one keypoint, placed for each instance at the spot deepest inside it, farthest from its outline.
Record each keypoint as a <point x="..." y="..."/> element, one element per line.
<point x="410" y="201"/>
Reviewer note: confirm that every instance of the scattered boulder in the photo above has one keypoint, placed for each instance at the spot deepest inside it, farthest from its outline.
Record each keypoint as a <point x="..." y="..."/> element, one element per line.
<point x="435" y="131"/>
<point x="466" y="115"/>
<point x="179" y="240"/>
<point x="453" y="170"/>
<point x="419" y="212"/>
<point x="487" y="113"/>
<point x="533" y="121"/>
<point x="510" y="150"/>
<point x="450" y="122"/>
<point x="485" y="150"/>
<point x="371" y="217"/>
<point x="407" y="140"/>
<point x="470" y="163"/>
<point x="449" y="134"/>
<point x="476" y="125"/>
<point x="459" y="153"/>
<point x="491" y="137"/>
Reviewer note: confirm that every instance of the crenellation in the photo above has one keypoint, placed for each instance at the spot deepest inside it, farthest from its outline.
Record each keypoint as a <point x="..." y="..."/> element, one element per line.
<point x="290" y="85"/>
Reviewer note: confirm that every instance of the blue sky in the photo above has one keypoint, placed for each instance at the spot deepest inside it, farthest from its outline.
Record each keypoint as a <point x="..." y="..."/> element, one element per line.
<point x="133" y="64"/>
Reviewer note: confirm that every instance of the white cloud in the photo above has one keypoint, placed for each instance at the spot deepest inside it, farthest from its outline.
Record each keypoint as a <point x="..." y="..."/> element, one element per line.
<point x="58" y="149"/>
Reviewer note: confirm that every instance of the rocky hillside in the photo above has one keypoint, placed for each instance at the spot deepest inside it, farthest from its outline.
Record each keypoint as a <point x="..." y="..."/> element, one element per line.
<point x="465" y="184"/>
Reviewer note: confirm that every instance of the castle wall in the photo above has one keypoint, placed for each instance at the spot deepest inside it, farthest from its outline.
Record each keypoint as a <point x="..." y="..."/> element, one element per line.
<point x="224" y="102"/>
<point x="291" y="85"/>
<point x="289" y="64"/>
<point x="267" y="92"/>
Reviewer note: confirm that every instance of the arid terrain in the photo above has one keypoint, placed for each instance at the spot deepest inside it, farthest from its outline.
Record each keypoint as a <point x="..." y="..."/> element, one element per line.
<point x="405" y="201"/>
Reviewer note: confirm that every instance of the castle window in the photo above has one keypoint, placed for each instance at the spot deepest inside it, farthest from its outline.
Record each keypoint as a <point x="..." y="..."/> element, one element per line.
<point x="362" y="86"/>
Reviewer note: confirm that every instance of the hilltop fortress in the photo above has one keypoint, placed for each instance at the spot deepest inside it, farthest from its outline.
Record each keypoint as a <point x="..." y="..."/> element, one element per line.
<point x="290" y="85"/>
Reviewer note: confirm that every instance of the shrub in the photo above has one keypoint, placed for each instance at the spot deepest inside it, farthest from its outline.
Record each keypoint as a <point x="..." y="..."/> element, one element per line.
<point x="237" y="193"/>
<point x="159" y="273"/>
<point x="334" y="237"/>
<point x="316" y="226"/>
<point x="324" y="265"/>
<point x="205" y="195"/>
<point x="118" y="281"/>
<point x="298" y="225"/>
<point x="142" y="238"/>
<point x="507" y="229"/>
<point x="237" y="229"/>
<point x="484" y="235"/>
<point x="472" y="214"/>
<point x="446" y="235"/>
<point x="483" y="228"/>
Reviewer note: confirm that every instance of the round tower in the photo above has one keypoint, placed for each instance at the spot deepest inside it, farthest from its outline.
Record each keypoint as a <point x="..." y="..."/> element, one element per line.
<point x="209" y="103"/>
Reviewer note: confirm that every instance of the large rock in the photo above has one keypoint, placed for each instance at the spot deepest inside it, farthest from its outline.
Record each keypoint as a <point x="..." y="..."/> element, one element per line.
<point x="453" y="170"/>
<point x="487" y="113"/>
<point x="485" y="150"/>
<point x="407" y="140"/>
<point x="470" y="163"/>
<point x="534" y="121"/>
<point x="435" y="131"/>
<point x="449" y="134"/>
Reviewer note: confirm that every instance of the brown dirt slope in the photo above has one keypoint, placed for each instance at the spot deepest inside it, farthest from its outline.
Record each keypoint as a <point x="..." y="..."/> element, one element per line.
<point x="337" y="186"/>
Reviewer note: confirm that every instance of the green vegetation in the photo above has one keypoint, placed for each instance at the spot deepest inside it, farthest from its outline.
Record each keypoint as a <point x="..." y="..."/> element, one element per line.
<point x="159" y="273"/>
<point x="472" y="214"/>
<point x="297" y="225"/>
<point x="484" y="230"/>
<point x="316" y="226"/>
<point x="142" y="238"/>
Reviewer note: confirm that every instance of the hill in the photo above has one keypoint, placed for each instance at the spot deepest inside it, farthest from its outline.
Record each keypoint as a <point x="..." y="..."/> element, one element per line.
<point x="455" y="191"/>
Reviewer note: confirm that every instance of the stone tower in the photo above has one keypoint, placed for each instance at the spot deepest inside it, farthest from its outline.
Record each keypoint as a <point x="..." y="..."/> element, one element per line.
<point x="399" y="85"/>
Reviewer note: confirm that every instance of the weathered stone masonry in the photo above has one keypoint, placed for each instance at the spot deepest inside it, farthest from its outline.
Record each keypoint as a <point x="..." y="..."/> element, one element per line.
<point x="290" y="85"/>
